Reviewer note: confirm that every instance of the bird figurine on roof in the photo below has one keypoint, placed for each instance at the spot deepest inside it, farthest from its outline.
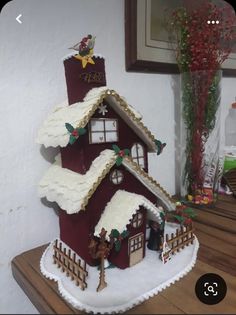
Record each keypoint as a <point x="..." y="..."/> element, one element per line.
<point x="85" y="50"/>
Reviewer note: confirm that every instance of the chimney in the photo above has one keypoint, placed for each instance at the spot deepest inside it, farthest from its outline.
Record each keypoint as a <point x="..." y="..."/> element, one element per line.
<point x="80" y="80"/>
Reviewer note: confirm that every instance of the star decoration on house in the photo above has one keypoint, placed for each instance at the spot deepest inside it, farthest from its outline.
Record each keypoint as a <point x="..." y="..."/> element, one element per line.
<point x="85" y="60"/>
<point x="102" y="109"/>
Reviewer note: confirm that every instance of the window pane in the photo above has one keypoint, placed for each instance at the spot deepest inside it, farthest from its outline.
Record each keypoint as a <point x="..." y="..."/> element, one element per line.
<point x="111" y="136"/>
<point x="134" y="151"/>
<point x="137" y="153"/>
<point x="116" y="177"/>
<point x="97" y="137"/>
<point x="111" y="124"/>
<point x="140" y="149"/>
<point x="141" y="162"/>
<point x="97" y="125"/>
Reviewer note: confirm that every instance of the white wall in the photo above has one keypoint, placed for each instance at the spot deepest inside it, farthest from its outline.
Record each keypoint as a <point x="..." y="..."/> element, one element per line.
<point x="32" y="81"/>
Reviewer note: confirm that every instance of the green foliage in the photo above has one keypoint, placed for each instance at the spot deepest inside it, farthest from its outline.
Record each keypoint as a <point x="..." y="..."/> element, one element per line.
<point x="127" y="151"/>
<point x="119" y="160"/>
<point x="160" y="146"/>
<point x="115" y="233"/>
<point x="190" y="213"/>
<point x="69" y="127"/>
<point x="116" y="148"/>
<point x="72" y="139"/>
<point x="179" y="218"/>
<point x="81" y="131"/>
<point x="125" y="234"/>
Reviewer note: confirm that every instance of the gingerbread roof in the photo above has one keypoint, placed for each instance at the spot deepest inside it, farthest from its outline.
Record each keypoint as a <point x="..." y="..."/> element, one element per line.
<point x="72" y="190"/>
<point x="53" y="132"/>
<point x="119" y="211"/>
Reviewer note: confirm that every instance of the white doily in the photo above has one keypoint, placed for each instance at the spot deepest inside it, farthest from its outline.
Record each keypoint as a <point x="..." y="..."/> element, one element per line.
<point x="126" y="288"/>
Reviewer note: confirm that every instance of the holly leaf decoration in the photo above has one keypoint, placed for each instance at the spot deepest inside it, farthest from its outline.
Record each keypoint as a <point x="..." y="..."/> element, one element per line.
<point x="119" y="161"/>
<point x="127" y="151"/>
<point x="179" y="218"/>
<point x="190" y="212"/>
<point x="74" y="132"/>
<point x="81" y="131"/>
<point x="117" y="246"/>
<point x="116" y="148"/>
<point x="162" y="215"/>
<point x="69" y="127"/>
<point x="160" y="146"/>
<point x="72" y="139"/>
<point x="125" y="234"/>
<point x="115" y="233"/>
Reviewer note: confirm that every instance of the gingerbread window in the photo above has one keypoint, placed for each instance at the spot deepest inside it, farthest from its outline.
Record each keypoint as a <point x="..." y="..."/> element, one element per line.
<point x="137" y="220"/>
<point x="103" y="130"/>
<point x="137" y="152"/>
<point x="136" y="243"/>
<point x="117" y="177"/>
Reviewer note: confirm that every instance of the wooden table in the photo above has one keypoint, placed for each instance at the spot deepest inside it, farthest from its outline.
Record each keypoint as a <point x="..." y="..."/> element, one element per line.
<point x="217" y="254"/>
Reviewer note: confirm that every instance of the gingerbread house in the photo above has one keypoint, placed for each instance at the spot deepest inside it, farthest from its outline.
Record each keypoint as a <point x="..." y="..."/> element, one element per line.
<point x="100" y="178"/>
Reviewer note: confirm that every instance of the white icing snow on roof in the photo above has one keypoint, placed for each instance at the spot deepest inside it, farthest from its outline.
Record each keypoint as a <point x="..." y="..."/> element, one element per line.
<point x="54" y="133"/>
<point x="120" y="209"/>
<point x="71" y="190"/>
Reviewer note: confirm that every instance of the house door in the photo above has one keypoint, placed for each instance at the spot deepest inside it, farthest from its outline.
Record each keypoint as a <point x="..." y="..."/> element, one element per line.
<point x="135" y="249"/>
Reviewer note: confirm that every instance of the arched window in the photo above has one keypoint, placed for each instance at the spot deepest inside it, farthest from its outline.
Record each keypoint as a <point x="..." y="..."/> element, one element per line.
<point x="137" y="220"/>
<point x="137" y="153"/>
<point x="117" y="177"/>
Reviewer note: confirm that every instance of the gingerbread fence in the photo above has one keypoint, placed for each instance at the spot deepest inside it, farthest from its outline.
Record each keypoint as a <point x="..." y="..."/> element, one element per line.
<point x="69" y="264"/>
<point x="183" y="237"/>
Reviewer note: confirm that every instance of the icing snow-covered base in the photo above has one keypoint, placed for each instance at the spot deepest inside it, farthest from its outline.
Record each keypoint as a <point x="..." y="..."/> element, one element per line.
<point x="126" y="288"/>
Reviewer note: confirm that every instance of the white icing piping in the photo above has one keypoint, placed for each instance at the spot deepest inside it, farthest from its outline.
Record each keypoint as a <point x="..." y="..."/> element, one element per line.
<point x="155" y="190"/>
<point x="68" y="56"/>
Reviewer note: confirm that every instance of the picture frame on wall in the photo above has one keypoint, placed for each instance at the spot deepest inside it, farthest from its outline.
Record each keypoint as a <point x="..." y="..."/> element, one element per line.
<point x="147" y="47"/>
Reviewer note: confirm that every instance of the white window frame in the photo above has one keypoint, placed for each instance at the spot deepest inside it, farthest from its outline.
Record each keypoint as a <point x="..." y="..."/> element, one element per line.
<point x="137" y="220"/>
<point x="104" y="131"/>
<point x="116" y="175"/>
<point x="137" y="157"/>
<point x="135" y="243"/>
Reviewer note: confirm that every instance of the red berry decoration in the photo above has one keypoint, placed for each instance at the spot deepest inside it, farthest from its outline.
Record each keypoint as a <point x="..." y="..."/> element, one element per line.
<point x="121" y="153"/>
<point x="75" y="133"/>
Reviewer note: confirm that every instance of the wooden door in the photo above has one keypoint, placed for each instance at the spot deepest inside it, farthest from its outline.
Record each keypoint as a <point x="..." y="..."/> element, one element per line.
<point x="136" y="249"/>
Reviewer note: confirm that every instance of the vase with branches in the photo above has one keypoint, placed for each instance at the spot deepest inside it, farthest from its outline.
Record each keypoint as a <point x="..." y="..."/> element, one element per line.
<point x="201" y="47"/>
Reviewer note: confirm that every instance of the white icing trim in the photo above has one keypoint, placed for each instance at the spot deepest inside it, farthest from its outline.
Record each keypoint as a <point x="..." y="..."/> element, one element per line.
<point x="121" y="308"/>
<point x="69" y="55"/>
<point x="70" y="189"/>
<point x="158" y="191"/>
<point x="53" y="132"/>
<point x="120" y="209"/>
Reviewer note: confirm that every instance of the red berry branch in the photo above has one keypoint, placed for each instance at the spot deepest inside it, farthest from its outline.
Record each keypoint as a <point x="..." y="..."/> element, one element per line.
<point x="200" y="48"/>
